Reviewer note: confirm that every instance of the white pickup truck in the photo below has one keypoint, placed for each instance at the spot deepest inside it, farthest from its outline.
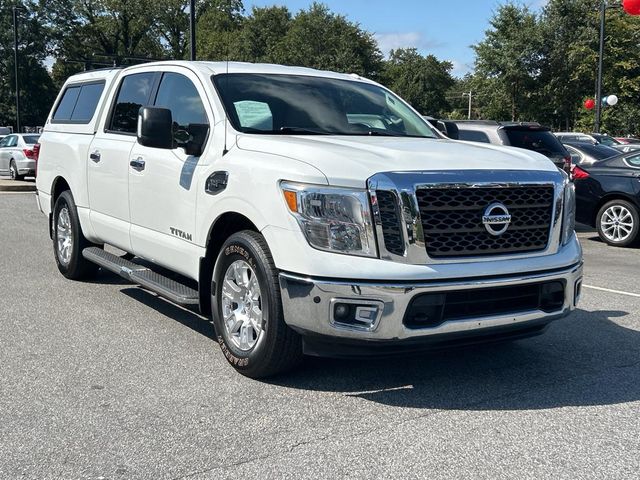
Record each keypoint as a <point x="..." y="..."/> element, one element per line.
<point x="308" y="212"/>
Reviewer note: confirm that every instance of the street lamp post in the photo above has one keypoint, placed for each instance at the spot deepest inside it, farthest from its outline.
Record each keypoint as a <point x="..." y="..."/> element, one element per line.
<point x="192" y="28"/>
<point x="468" y="94"/>
<point x="15" y="64"/>
<point x="603" y="10"/>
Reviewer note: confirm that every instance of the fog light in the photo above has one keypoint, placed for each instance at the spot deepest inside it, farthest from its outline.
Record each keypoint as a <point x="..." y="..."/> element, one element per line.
<point x="356" y="314"/>
<point x="341" y="311"/>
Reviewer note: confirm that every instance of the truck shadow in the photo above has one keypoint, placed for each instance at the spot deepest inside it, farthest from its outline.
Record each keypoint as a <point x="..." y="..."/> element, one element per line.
<point x="587" y="359"/>
<point x="584" y="360"/>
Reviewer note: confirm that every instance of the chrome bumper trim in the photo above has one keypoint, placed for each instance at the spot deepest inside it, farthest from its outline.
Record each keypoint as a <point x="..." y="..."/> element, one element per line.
<point x="306" y="303"/>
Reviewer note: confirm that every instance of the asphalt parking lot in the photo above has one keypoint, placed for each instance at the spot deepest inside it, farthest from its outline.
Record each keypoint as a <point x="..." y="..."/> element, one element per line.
<point x="103" y="380"/>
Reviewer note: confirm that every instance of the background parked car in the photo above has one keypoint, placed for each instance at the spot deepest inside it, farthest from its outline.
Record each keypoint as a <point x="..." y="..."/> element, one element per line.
<point x="17" y="158"/>
<point x="584" y="153"/>
<point x="575" y="137"/>
<point x="608" y="198"/>
<point x="531" y="136"/>
<point x="605" y="139"/>
<point x="628" y="140"/>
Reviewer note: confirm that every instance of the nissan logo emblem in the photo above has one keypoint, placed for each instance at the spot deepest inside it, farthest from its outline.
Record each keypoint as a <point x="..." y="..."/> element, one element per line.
<point x="496" y="219"/>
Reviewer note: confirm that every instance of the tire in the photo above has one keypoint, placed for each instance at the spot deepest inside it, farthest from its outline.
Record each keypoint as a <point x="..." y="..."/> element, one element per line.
<point x="273" y="348"/>
<point x="13" y="171"/>
<point x="618" y="223"/>
<point x="68" y="233"/>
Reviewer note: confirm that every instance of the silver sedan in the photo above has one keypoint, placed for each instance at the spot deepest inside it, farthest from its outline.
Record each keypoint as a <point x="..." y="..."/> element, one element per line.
<point x="17" y="157"/>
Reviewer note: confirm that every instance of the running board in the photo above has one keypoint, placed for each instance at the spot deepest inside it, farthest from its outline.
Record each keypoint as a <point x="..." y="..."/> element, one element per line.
<point x="143" y="276"/>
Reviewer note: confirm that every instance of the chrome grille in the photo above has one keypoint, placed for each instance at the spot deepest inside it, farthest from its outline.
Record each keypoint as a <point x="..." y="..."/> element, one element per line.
<point x="390" y="219"/>
<point x="452" y="219"/>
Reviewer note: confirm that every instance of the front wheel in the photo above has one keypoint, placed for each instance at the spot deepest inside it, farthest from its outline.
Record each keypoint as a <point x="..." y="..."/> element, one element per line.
<point x="618" y="223"/>
<point x="247" y="310"/>
<point x="68" y="240"/>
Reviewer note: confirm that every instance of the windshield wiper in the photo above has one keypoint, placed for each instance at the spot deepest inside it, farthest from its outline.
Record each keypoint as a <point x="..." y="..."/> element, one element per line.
<point x="301" y="131"/>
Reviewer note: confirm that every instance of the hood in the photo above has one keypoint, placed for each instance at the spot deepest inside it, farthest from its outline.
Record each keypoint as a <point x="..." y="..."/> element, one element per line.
<point x="349" y="161"/>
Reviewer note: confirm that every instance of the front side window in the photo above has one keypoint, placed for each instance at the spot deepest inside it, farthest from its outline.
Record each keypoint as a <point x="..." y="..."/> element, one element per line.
<point x="5" y="142"/>
<point x="307" y="105"/>
<point x="134" y="93"/>
<point x="177" y="93"/>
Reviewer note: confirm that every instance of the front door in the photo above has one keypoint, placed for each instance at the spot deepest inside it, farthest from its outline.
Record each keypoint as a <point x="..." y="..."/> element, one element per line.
<point x="162" y="183"/>
<point x="108" y="161"/>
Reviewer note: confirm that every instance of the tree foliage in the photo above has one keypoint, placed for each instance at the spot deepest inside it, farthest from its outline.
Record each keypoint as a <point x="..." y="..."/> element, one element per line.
<point x="529" y="66"/>
<point x="422" y="81"/>
<point x="36" y="88"/>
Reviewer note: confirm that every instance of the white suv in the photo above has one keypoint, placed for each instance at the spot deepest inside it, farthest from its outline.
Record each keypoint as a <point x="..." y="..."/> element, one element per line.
<point x="317" y="212"/>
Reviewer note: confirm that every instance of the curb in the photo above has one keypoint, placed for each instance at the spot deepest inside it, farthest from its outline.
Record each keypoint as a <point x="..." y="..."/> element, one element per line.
<point x="16" y="186"/>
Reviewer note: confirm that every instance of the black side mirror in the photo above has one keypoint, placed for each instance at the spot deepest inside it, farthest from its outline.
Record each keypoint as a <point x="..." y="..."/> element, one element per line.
<point x="197" y="134"/>
<point x="450" y="129"/>
<point x="155" y="128"/>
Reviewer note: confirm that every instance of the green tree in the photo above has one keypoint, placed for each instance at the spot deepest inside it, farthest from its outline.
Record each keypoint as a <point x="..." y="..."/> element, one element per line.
<point x="422" y="81"/>
<point x="263" y="34"/>
<point x="511" y="56"/>
<point x="219" y="30"/>
<point x="36" y="88"/>
<point x="321" y="39"/>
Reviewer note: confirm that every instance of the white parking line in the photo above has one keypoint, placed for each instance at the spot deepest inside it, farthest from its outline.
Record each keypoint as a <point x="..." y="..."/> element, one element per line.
<point x="612" y="291"/>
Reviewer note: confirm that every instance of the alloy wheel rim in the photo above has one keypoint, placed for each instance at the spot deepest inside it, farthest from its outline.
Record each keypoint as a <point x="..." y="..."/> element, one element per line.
<point x="242" y="306"/>
<point x="64" y="236"/>
<point x="13" y="172"/>
<point x="617" y="223"/>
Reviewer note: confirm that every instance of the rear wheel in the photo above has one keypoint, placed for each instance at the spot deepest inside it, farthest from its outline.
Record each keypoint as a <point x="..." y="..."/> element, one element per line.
<point x="247" y="310"/>
<point x="13" y="171"/>
<point x="68" y="240"/>
<point x="618" y="223"/>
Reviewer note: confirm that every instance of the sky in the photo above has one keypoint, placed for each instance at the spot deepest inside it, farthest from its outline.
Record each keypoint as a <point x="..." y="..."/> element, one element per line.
<point x="443" y="28"/>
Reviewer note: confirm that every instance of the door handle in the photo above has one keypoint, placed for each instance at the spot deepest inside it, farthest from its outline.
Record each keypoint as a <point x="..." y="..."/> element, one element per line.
<point x="95" y="156"/>
<point x="137" y="164"/>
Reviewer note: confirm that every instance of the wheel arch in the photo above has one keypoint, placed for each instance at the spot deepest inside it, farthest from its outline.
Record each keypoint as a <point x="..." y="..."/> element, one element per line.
<point x="58" y="186"/>
<point x="221" y="229"/>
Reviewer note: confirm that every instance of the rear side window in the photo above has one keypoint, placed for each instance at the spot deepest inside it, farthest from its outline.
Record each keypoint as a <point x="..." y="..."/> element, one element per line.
<point x="473" y="136"/>
<point x="30" y="139"/>
<point x="541" y="141"/>
<point x="134" y="93"/>
<point x="78" y="103"/>
<point x="633" y="161"/>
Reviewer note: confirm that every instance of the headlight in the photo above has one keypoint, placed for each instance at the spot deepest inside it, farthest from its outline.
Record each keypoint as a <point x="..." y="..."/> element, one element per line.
<point x="569" y="212"/>
<point x="333" y="219"/>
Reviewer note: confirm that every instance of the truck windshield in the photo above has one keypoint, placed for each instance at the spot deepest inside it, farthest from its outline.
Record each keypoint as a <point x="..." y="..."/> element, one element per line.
<point x="270" y="104"/>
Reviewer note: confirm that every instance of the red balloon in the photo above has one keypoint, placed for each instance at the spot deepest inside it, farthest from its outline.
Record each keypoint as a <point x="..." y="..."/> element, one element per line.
<point x="632" y="7"/>
<point x="589" y="103"/>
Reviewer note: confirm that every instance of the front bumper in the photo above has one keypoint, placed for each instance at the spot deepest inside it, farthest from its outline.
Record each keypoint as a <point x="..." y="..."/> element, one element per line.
<point x="308" y="305"/>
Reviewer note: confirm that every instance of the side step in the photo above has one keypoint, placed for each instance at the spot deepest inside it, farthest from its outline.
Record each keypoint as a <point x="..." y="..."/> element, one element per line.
<point x="143" y="276"/>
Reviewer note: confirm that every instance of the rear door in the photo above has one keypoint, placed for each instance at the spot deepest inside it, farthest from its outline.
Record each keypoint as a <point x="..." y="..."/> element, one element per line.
<point x="162" y="183"/>
<point x="108" y="162"/>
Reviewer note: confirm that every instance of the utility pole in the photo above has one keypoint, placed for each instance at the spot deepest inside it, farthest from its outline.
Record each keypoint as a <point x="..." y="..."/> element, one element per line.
<point x="192" y="28"/>
<point x="603" y="10"/>
<point x="465" y="94"/>
<point x="15" y="64"/>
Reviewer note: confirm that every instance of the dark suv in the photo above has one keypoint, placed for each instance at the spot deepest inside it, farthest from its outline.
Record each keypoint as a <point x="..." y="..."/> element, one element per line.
<point x="531" y="136"/>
